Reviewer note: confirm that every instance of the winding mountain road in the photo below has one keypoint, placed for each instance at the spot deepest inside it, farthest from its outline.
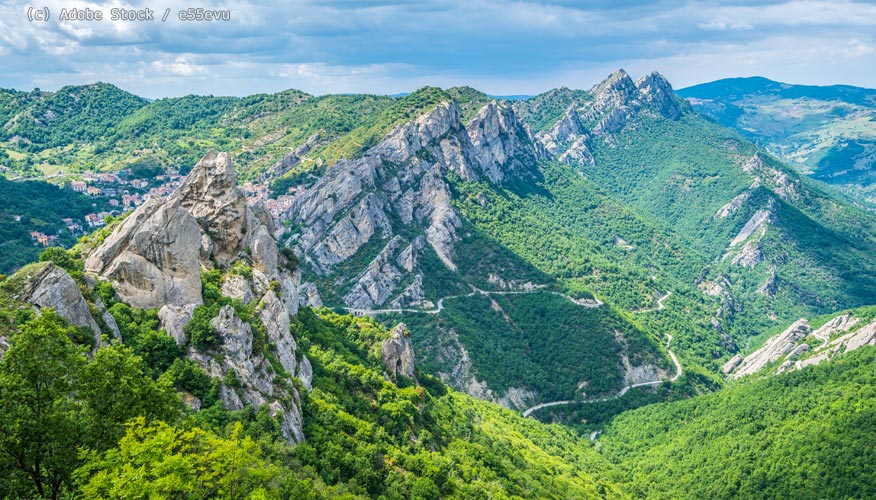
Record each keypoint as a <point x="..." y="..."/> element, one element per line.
<point x="678" y="371"/>
<point x="659" y="307"/>
<point x="440" y="304"/>
<point x="583" y="303"/>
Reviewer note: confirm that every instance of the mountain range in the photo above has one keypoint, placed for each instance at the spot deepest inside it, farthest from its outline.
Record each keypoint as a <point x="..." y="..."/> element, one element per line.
<point x="826" y="132"/>
<point x="570" y="256"/>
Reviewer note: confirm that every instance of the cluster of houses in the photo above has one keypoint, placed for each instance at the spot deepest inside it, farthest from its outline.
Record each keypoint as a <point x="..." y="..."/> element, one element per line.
<point x="127" y="194"/>
<point x="261" y="193"/>
<point x="42" y="239"/>
<point x="114" y="185"/>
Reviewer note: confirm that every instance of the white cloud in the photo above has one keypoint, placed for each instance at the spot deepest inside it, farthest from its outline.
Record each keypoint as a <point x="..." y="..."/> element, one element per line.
<point x="181" y="66"/>
<point x="721" y="25"/>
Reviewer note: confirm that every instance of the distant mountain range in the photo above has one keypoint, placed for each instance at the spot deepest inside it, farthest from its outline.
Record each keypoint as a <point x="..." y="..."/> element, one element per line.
<point x="827" y="132"/>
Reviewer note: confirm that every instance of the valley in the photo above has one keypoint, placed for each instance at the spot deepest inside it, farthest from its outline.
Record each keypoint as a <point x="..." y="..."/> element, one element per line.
<point x="582" y="293"/>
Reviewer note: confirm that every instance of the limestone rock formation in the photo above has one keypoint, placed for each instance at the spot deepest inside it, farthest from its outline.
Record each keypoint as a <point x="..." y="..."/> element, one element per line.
<point x="731" y="365"/>
<point x="773" y="349"/>
<point x="841" y="323"/>
<point x="397" y="353"/>
<point x="253" y="372"/>
<point x="865" y="335"/>
<point x="500" y="143"/>
<point x="617" y="101"/>
<point x="657" y="93"/>
<point x="568" y="141"/>
<point x="155" y="260"/>
<point x="49" y="286"/>
<point x="393" y="203"/>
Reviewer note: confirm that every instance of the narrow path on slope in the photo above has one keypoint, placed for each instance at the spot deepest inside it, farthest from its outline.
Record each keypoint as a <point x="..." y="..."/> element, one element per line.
<point x="659" y="307"/>
<point x="678" y="371"/>
<point x="440" y="304"/>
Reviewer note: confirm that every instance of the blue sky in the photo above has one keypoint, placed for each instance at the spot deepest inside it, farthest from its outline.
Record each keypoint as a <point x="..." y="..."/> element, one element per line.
<point x="499" y="47"/>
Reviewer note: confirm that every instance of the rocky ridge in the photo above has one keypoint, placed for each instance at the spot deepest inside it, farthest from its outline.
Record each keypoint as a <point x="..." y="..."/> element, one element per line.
<point x="800" y="346"/>
<point x="394" y="202"/>
<point x="155" y="259"/>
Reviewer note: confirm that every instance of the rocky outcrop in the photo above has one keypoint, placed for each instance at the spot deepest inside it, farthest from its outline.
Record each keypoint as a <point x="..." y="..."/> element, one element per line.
<point x="384" y="210"/>
<point x="656" y="92"/>
<point x="839" y="324"/>
<point x="567" y="141"/>
<point x="731" y="365"/>
<point x="253" y="374"/>
<point x="866" y="335"/>
<point x="308" y="295"/>
<point x="736" y="203"/>
<point x="48" y="286"/>
<point x="500" y="143"/>
<point x="758" y="222"/>
<point x="618" y="102"/>
<point x="397" y="353"/>
<point x="773" y="349"/>
<point x="750" y="255"/>
<point x="155" y="258"/>
<point x="770" y="286"/>
<point x="291" y="160"/>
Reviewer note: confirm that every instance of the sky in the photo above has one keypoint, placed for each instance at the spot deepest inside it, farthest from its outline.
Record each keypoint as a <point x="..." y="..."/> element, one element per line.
<point x="387" y="47"/>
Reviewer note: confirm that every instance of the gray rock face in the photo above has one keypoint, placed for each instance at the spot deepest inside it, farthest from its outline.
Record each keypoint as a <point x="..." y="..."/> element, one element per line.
<point x="731" y="365"/>
<point x="155" y="259"/>
<point x="255" y="377"/>
<point x="773" y="349"/>
<point x="275" y="318"/>
<point x="657" y="93"/>
<point x="305" y="373"/>
<point x="568" y="141"/>
<point x="210" y="194"/>
<point x="500" y="143"/>
<point x="841" y="323"/>
<point x="237" y="287"/>
<point x="618" y="100"/>
<point x="866" y="335"/>
<point x="397" y="353"/>
<point x="51" y="287"/>
<point x="174" y="319"/>
<point x="149" y="258"/>
<point x="308" y="295"/>
<point x="770" y="286"/>
<point x="394" y="201"/>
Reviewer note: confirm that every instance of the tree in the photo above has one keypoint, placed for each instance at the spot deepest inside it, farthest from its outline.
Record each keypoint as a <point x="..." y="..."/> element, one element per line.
<point x="115" y="389"/>
<point x="39" y="428"/>
<point x="160" y="461"/>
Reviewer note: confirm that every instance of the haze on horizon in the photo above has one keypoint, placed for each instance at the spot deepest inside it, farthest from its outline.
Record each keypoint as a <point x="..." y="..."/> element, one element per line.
<point x="393" y="46"/>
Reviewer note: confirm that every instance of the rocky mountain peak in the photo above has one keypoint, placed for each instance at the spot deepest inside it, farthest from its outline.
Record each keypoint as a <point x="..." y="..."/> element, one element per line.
<point x="501" y="144"/>
<point x="657" y="92"/>
<point x="617" y="89"/>
<point x="155" y="259"/>
<point x="210" y="194"/>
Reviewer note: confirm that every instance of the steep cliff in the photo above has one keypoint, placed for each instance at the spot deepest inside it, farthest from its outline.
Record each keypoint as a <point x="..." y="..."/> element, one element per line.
<point x="158" y="258"/>
<point x="366" y="227"/>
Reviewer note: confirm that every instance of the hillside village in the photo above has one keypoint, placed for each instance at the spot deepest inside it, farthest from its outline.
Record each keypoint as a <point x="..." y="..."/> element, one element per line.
<point x="117" y="193"/>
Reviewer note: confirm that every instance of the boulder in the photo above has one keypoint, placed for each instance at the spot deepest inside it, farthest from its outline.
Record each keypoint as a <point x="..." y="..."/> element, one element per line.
<point x="397" y="353"/>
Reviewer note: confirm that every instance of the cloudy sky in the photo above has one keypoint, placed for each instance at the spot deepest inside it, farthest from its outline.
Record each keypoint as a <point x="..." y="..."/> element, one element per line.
<point x="500" y="47"/>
